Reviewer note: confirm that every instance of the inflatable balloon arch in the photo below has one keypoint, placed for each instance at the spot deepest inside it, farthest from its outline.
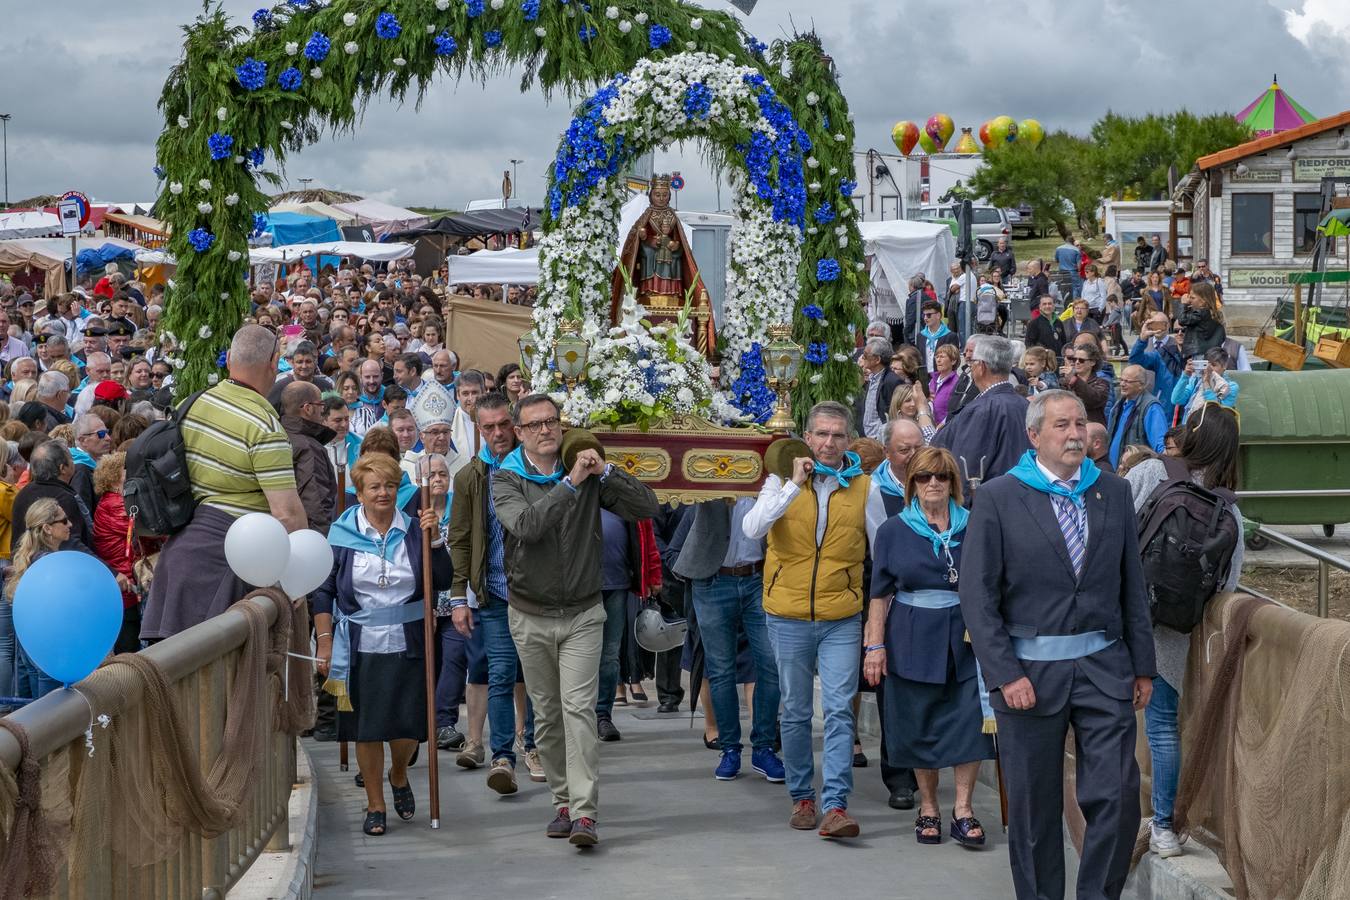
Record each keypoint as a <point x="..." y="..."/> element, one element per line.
<point x="773" y="118"/>
<point x="933" y="136"/>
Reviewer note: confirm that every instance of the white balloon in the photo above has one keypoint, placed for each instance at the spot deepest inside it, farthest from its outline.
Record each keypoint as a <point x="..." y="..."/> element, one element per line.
<point x="257" y="549"/>
<point x="311" y="561"/>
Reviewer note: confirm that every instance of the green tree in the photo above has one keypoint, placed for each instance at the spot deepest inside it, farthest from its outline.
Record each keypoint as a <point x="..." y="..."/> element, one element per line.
<point x="1133" y="155"/>
<point x="1056" y="179"/>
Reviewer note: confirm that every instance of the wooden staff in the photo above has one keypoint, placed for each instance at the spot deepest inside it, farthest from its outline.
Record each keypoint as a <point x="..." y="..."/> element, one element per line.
<point x="343" y="759"/>
<point x="1002" y="791"/>
<point x="429" y="658"/>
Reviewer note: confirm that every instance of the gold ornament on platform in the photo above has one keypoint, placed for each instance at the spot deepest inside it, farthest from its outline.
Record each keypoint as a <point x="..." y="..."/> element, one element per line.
<point x="570" y="354"/>
<point x="782" y="361"/>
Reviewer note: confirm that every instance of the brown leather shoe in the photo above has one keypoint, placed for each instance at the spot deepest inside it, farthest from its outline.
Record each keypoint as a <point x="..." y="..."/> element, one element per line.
<point x="803" y="815"/>
<point x="838" y="824"/>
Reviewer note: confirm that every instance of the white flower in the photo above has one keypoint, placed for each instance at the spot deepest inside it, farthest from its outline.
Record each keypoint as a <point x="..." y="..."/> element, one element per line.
<point x="541" y="31"/>
<point x="497" y="4"/>
<point x="812" y="98"/>
<point x="177" y="362"/>
<point x="175" y="187"/>
<point x="840" y="138"/>
<point x="842" y="229"/>
<point x="625" y="26"/>
<point x="351" y="48"/>
<point x="813" y="230"/>
<point x="182" y="122"/>
<point x="205" y="331"/>
<point x="859" y="266"/>
<point x="611" y="12"/>
<point x="816" y="378"/>
<point x="613" y="395"/>
<point x="292" y="48"/>
<point x="813" y="186"/>
<point x="286" y="126"/>
<point x="431" y="29"/>
<point x="212" y="379"/>
<point x="841" y="357"/>
<point x="400" y="61"/>
<point x="846" y="210"/>
<point x="834" y="170"/>
<point x="349" y="19"/>
<point x="222" y="114"/>
<point x="641" y="18"/>
<point x="238" y="159"/>
<point x="224" y="295"/>
<point x="232" y="200"/>
<point x="812" y="162"/>
<point x="204" y="208"/>
<point x="204" y="184"/>
<point x="316" y="73"/>
<point x="696" y="24"/>
<point x="685" y="396"/>
<point x="234" y="256"/>
<point x="843" y="240"/>
<point x="689" y="45"/>
<point x="442" y="5"/>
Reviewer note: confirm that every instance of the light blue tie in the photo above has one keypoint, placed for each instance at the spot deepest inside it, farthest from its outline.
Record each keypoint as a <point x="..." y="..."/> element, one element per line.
<point x="1069" y="513"/>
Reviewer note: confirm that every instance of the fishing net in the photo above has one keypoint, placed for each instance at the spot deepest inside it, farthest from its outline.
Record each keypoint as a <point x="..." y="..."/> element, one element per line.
<point x="164" y="773"/>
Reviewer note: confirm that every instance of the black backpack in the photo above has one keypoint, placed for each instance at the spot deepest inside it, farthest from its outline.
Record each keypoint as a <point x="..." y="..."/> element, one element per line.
<point x="157" y="493"/>
<point x="1187" y="539"/>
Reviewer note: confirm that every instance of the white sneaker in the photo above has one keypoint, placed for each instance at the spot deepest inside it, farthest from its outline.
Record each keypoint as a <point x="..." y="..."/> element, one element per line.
<point x="534" y="765"/>
<point x="1163" y="841"/>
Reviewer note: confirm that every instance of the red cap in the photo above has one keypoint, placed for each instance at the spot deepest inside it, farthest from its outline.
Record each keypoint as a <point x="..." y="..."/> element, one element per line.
<point x="110" y="390"/>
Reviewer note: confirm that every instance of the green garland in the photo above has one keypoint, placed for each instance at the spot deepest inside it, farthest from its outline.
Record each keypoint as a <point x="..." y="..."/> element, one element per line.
<point x="204" y="97"/>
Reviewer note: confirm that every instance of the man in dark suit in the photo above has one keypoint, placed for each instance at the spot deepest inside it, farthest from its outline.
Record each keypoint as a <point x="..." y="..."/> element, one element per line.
<point x="873" y="405"/>
<point x="989" y="436"/>
<point x="1041" y="331"/>
<point x="1053" y="595"/>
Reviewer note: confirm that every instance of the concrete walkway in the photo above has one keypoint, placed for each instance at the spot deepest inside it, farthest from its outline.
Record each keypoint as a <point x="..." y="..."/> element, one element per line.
<point x="667" y="829"/>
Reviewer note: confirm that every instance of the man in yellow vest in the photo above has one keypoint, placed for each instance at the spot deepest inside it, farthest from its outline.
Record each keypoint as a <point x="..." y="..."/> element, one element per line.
<point x="813" y="596"/>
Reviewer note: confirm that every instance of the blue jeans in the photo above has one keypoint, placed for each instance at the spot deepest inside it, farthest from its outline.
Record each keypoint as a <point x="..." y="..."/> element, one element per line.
<point x="1164" y="745"/>
<point x="32" y="682"/>
<point x="452" y="667"/>
<point x="802" y="648"/>
<point x="616" y="618"/>
<point x="727" y="604"/>
<point x="503" y="668"/>
<point x="8" y="646"/>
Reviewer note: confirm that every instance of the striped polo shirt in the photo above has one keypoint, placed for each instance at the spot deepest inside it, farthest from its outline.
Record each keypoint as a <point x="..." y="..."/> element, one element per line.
<point x="236" y="449"/>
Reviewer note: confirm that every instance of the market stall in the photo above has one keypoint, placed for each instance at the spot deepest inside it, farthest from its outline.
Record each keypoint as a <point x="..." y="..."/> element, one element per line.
<point x="51" y="256"/>
<point x="508" y="266"/>
<point x="384" y="218"/>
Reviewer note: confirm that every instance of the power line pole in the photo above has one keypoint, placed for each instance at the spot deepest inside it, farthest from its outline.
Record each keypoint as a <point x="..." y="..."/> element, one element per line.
<point x="4" y="130"/>
<point x="515" y="181"/>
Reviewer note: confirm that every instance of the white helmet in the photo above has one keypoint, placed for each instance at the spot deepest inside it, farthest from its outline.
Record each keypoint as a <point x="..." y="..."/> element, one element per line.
<point x="656" y="634"/>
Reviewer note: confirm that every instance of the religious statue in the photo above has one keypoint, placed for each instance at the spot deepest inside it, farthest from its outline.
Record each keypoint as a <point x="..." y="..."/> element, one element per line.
<point x="661" y="267"/>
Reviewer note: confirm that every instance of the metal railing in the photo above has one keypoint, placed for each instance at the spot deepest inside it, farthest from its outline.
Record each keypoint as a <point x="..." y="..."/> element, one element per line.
<point x="1325" y="562"/>
<point x="200" y="665"/>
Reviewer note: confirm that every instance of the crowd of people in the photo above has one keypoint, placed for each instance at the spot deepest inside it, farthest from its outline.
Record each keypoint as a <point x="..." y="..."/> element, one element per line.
<point x="956" y="540"/>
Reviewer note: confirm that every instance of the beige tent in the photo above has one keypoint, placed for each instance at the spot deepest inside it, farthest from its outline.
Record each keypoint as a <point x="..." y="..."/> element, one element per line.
<point x="484" y="332"/>
<point x="49" y="255"/>
<point x="316" y="208"/>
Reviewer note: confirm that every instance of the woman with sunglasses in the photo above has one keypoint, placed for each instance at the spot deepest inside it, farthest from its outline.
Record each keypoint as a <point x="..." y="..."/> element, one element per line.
<point x="915" y="651"/>
<point x="1079" y="375"/>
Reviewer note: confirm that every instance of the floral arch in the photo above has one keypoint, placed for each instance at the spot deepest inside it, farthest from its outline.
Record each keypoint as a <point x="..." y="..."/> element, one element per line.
<point x="239" y="101"/>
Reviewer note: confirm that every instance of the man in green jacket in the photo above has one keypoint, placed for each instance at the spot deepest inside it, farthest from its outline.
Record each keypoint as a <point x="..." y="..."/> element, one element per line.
<point x="553" y="553"/>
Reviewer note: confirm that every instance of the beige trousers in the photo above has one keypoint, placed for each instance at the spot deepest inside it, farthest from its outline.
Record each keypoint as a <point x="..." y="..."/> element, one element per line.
<point x="560" y="657"/>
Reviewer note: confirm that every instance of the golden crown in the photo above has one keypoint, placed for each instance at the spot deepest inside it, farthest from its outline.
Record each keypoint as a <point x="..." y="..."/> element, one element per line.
<point x="661" y="181"/>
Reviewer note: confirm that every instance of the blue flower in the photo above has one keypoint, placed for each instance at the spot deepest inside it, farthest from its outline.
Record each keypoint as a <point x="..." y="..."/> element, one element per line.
<point x="220" y="145"/>
<point x="530" y="9"/>
<point x="847" y="187"/>
<point x="160" y="173"/>
<point x="756" y="47"/>
<point x="824" y="213"/>
<point x="201" y="239"/>
<point x="492" y="39"/>
<point x="658" y="36"/>
<point x="817" y="353"/>
<point x="475" y="8"/>
<point x="445" y="44"/>
<point x="812" y="311"/>
<point x="387" y="27"/>
<point x="698" y="99"/>
<point x="291" y="79"/>
<point x="251" y="73"/>
<point x="750" y="392"/>
<point x="255" y="157"/>
<point x="263" y="21"/>
<point x="586" y="32"/>
<point x="220" y="359"/>
<point x="317" y="47"/>
<point x="259" y="225"/>
<point x="827" y="270"/>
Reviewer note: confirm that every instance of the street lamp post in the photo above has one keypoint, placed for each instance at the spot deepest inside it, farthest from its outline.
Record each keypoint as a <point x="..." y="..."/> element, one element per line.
<point x="514" y="179"/>
<point x="4" y="130"/>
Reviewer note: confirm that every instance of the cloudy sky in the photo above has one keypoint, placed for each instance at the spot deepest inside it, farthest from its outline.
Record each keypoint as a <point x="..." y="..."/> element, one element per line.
<point x="81" y="78"/>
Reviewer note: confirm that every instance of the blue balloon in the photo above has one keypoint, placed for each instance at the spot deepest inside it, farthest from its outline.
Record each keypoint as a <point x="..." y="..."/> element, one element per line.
<point x="67" y="613"/>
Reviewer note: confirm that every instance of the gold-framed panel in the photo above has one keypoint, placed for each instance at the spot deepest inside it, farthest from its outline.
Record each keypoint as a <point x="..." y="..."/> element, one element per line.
<point x="643" y="463"/>
<point x="723" y="466"/>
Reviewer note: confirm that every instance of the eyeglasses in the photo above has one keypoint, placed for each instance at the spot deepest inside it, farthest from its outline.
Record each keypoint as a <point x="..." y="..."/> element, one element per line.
<point x="835" y="436"/>
<point x="101" y="433"/>
<point x="61" y="521"/>
<point x="550" y="423"/>
<point x="159" y="374"/>
<point x="925" y="477"/>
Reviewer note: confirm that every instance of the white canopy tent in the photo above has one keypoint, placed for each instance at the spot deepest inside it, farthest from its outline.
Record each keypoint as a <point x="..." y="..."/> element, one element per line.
<point x="901" y="249"/>
<point x="507" y="266"/>
<point x="258" y="256"/>
<point x="315" y="208"/>
<point x="33" y="224"/>
<point x="385" y="218"/>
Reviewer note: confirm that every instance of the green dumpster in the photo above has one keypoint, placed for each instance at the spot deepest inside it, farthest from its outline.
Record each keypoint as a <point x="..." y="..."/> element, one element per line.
<point x="1295" y="436"/>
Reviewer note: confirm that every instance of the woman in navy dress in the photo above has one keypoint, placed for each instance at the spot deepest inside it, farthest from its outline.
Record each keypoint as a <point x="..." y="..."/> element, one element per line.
<point x="916" y="641"/>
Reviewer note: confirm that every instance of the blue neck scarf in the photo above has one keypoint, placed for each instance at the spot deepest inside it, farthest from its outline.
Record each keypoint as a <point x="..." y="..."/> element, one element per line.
<point x="353" y="450"/>
<point x="883" y="478"/>
<point x="346" y="533"/>
<point x="852" y="468"/>
<point x="371" y="401"/>
<point x="80" y="458"/>
<point x="914" y="517"/>
<point x="488" y="459"/>
<point x="1030" y="474"/>
<point x="938" y="335"/>
<point x="515" y="462"/>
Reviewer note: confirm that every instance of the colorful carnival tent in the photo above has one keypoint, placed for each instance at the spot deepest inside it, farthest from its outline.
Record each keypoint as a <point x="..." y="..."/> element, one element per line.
<point x="1274" y="111"/>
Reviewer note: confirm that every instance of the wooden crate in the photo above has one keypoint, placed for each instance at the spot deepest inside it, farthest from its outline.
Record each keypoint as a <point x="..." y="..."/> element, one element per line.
<point x="1285" y="354"/>
<point x="1333" y="351"/>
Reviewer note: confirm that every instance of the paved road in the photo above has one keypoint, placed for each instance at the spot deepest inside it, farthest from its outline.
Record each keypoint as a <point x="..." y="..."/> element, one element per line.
<point x="667" y="829"/>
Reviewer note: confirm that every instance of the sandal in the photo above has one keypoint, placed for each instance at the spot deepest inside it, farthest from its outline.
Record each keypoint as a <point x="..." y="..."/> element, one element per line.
<point x="922" y="824"/>
<point x="962" y="828"/>
<point x="404" y="802"/>
<point x="360" y="780"/>
<point x="374" y="824"/>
